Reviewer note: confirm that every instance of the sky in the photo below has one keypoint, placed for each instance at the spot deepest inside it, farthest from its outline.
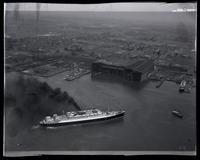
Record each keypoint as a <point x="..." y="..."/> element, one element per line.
<point x="101" y="7"/>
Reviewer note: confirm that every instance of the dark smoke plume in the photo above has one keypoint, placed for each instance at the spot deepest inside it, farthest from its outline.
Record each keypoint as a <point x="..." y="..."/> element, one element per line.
<point x="28" y="100"/>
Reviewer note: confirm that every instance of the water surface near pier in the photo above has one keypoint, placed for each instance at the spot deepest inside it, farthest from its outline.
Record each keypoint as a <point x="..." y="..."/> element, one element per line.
<point x="147" y="125"/>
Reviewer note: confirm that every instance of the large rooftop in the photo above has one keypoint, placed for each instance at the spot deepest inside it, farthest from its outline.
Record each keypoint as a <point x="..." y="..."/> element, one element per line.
<point x="140" y="64"/>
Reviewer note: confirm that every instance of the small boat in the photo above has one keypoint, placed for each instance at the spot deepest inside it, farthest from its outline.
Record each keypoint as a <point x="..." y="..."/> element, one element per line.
<point x="177" y="114"/>
<point x="182" y="86"/>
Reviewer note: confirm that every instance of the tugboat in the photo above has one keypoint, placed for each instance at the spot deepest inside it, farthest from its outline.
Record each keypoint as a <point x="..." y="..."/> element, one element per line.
<point x="79" y="117"/>
<point x="177" y="114"/>
<point x="182" y="86"/>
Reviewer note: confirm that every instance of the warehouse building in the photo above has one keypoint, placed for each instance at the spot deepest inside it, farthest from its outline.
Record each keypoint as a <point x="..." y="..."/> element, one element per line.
<point x="161" y="65"/>
<point x="134" y="70"/>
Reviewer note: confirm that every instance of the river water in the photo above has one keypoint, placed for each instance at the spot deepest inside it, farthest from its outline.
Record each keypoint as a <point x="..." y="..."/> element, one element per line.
<point x="148" y="124"/>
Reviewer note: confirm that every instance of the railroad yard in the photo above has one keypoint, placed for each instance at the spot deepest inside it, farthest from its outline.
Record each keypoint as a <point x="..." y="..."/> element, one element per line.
<point x="51" y="49"/>
<point x="47" y="66"/>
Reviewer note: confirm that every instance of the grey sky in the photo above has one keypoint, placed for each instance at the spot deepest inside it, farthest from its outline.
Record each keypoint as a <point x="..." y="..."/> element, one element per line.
<point x="101" y="7"/>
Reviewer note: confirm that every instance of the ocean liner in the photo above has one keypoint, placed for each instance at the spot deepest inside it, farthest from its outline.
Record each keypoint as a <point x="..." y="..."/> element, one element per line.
<point x="79" y="117"/>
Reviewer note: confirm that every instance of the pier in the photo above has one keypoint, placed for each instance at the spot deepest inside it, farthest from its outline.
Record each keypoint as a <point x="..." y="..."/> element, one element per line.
<point x="160" y="83"/>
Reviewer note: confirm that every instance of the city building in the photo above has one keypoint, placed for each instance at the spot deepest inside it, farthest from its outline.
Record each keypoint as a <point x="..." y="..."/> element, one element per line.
<point x="135" y="69"/>
<point x="166" y="66"/>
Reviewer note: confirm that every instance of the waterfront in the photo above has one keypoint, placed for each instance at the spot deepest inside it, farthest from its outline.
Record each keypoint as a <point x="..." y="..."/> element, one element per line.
<point x="52" y="47"/>
<point x="148" y="124"/>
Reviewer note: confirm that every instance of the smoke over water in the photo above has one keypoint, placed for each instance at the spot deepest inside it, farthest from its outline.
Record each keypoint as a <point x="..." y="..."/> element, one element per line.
<point x="28" y="100"/>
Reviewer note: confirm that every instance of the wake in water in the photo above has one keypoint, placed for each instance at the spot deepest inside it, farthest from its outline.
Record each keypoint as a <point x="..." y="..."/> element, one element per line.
<point x="38" y="127"/>
<point x="35" y="127"/>
<point x="51" y="127"/>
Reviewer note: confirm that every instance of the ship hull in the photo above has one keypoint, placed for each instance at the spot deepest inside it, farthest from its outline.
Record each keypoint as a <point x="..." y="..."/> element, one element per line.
<point x="80" y="122"/>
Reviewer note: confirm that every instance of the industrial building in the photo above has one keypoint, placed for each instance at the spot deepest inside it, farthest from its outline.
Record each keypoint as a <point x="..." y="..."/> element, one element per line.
<point x="166" y="66"/>
<point x="135" y="70"/>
